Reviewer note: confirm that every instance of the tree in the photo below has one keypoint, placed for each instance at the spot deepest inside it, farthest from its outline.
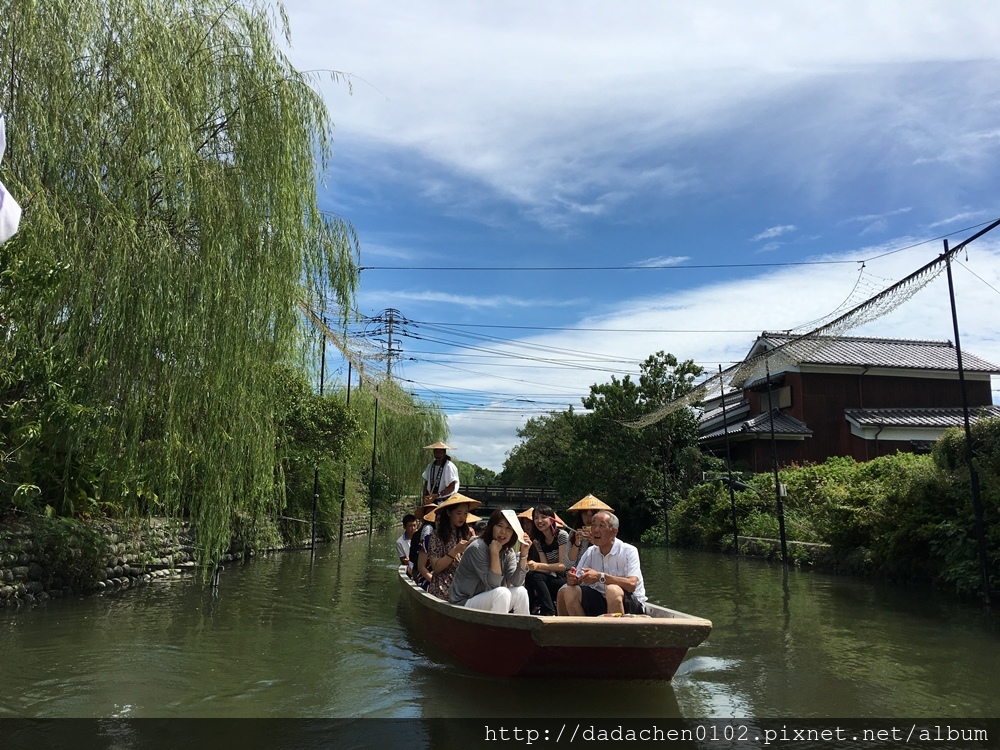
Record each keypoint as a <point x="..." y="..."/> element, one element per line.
<point x="405" y="425"/>
<point x="168" y="155"/>
<point x="597" y="452"/>
<point x="630" y="468"/>
<point x="541" y="457"/>
<point x="475" y="474"/>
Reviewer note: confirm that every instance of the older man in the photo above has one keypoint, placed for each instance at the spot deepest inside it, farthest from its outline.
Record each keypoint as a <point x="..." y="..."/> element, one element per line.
<point x="607" y="579"/>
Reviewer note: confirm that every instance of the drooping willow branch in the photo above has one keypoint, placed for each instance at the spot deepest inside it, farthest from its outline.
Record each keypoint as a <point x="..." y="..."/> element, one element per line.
<point x="157" y="273"/>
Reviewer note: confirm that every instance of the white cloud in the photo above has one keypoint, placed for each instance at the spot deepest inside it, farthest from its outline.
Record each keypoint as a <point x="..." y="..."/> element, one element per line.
<point x="963" y="217"/>
<point x="553" y="107"/>
<point x="583" y="119"/>
<point x="376" y="298"/>
<point x="717" y="323"/>
<point x="872" y="218"/>
<point x="773" y="232"/>
<point x="662" y="260"/>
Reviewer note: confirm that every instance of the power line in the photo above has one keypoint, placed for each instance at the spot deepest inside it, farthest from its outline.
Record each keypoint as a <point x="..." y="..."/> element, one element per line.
<point x="589" y="330"/>
<point x="671" y="266"/>
<point x="609" y="268"/>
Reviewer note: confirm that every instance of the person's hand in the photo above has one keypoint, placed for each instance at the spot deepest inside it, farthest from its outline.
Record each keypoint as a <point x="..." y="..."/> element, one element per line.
<point x="496" y="546"/>
<point x="571" y="577"/>
<point x="587" y="575"/>
<point x="532" y="564"/>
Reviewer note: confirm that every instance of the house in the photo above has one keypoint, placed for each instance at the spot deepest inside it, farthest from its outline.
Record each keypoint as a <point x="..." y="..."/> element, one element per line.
<point x="843" y="396"/>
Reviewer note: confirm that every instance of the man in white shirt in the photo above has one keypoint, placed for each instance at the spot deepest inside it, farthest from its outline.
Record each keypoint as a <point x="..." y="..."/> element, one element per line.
<point x="607" y="578"/>
<point x="440" y="476"/>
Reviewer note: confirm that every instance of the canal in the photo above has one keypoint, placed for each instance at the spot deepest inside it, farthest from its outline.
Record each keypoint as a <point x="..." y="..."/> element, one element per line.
<point x="290" y="636"/>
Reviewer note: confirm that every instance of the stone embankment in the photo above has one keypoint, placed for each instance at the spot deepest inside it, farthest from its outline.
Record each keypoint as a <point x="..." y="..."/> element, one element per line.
<point x="117" y="555"/>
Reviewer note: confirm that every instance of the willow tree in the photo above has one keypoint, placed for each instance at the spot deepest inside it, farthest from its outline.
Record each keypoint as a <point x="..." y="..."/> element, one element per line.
<point x="167" y="157"/>
<point x="405" y="425"/>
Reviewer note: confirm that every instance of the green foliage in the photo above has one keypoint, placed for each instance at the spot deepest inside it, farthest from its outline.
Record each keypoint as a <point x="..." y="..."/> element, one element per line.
<point x="543" y="453"/>
<point x="405" y="425"/>
<point x="703" y="518"/>
<point x="598" y="453"/>
<point x="474" y="474"/>
<point x="315" y="433"/>
<point x="166" y="154"/>
<point x="904" y="516"/>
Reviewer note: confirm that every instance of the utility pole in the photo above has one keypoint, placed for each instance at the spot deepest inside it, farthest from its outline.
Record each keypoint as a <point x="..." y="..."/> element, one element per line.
<point x="774" y="458"/>
<point x="387" y="323"/>
<point x="663" y="473"/>
<point x="343" y="478"/>
<point x="322" y="374"/>
<point x="388" y="363"/>
<point x="371" y="486"/>
<point x="729" y="464"/>
<point x="977" y="503"/>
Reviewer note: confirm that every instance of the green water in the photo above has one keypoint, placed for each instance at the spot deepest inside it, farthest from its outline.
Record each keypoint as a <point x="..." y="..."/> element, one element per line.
<point x="292" y="636"/>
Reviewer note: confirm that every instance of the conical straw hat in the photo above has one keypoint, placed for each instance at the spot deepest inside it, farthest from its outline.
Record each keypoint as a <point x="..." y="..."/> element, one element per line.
<point x="590" y="503"/>
<point x="438" y="444"/>
<point x="457" y="498"/>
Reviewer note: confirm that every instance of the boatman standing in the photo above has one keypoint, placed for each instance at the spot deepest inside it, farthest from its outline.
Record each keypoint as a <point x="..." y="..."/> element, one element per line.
<point x="607" y="578"/>
<point x="440" y="476"/>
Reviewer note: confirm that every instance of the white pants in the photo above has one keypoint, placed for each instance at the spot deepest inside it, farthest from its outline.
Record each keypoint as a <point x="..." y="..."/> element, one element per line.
<point x="501" y="599"/>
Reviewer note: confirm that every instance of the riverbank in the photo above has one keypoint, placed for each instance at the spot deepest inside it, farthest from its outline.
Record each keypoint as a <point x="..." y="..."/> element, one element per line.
<point x="63" y="558"/>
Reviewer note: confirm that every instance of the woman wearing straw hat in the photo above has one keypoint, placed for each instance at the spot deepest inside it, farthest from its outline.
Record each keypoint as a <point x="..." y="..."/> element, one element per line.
<point x="526" y="517"/>
<point x="418" y="543"/>
<point x="579" y="538"/>
<point x="440" y="476"/>
<point x="547" y="574"/>
<point x="491" y="574"/>
<point x="445" y="545"/>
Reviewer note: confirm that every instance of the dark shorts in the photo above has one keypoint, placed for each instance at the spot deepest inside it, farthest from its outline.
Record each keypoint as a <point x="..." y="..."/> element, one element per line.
<point x="595" y="604"/>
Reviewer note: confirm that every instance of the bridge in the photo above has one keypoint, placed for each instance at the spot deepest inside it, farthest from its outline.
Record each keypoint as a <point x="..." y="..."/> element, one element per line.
<point x="519" y="498"/>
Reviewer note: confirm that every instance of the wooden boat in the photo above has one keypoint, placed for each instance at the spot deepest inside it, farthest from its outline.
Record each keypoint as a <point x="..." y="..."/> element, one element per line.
<point x="508" y="645"/>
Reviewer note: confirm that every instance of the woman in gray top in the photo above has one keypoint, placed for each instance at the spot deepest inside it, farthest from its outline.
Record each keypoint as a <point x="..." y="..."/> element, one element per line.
<point x="490" y="575"/>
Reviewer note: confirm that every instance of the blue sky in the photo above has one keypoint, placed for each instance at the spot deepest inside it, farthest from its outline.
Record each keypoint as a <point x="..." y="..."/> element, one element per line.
<point x="757" y="152"/>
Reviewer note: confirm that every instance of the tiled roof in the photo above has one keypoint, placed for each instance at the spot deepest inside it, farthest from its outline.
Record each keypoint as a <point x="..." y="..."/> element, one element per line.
<point x="734" y="404"/>
<point x="941" y="417"/>
<point x="761" y="424"/>
<point x="877" y="352"/>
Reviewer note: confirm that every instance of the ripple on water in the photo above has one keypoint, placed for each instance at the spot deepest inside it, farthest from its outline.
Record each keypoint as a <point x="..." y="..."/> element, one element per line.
<point x="293" y="636"/>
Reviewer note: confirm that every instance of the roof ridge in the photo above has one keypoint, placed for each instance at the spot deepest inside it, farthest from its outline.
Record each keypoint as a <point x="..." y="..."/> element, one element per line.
<point x="872" y="339"/>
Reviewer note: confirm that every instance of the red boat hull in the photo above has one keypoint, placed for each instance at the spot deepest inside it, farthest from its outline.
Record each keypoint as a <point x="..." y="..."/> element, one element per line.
<point x="507" y="645"/>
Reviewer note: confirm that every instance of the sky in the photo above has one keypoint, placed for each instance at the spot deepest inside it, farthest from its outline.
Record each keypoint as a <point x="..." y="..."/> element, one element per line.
<point x="550" y="192"/>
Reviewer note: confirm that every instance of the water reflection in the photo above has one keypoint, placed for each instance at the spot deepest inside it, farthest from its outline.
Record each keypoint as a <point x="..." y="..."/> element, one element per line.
<point x="302" y="635"/>
<point x="799" y="644"/>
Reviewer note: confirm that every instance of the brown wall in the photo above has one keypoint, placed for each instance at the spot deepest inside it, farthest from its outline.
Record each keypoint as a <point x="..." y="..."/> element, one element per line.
<point x="819" y="400"/>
